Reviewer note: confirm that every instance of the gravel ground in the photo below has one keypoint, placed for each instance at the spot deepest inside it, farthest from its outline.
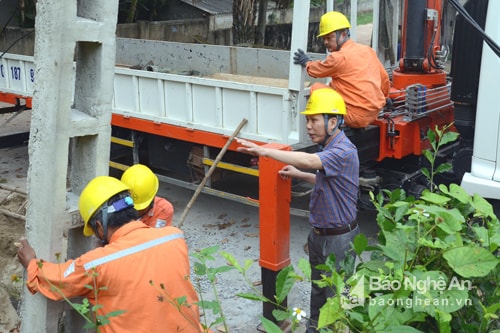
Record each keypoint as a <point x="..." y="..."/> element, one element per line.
<point x="233" y="226"/>
<point x="211" y="221"/>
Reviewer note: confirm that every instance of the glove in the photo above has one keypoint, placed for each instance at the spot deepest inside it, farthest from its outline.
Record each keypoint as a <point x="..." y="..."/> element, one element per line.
<point x="300" y="58"/>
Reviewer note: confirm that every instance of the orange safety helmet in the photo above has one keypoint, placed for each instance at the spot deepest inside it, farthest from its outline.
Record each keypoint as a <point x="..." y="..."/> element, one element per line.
<point x="332" y="21"/>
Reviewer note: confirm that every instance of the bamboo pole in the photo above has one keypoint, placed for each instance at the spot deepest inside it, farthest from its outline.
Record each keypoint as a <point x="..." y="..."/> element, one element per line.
<point x="210" y="171"/>
<point x="13" y="189"/>
<point x="11" y="214"/>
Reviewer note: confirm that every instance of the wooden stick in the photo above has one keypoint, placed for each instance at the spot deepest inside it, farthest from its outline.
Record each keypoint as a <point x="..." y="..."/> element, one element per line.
<point x="11" y="214"/>
<point x="210" y="171"/>
<point x="13" y="189"/>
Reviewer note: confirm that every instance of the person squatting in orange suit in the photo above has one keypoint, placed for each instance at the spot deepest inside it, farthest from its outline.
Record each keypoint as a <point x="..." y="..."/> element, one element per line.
<point x="356" y="72"/>
<point x="153" y="210"/>
<point x="140" y="270"/>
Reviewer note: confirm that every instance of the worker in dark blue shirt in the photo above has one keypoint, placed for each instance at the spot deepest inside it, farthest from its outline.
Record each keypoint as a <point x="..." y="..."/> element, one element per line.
<point x="333" y="200"/>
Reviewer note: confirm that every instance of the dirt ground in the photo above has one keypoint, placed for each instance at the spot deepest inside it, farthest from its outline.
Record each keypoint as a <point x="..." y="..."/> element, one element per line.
<point x="10" y="288"/>
<point x="13" y="171"/>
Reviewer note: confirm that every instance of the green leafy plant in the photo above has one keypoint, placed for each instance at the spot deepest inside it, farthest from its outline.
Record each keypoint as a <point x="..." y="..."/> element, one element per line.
<point x="181" y="304"/>
<point x="203" y="270"/>
<point x="285" y="281"/>
<point x="437" y="139"/>
<point x="435" y="267"/>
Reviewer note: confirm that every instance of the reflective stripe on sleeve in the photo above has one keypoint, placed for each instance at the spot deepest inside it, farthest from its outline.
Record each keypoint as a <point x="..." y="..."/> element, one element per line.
<point x="131" y="250"/>
<point x="69" y="270"/>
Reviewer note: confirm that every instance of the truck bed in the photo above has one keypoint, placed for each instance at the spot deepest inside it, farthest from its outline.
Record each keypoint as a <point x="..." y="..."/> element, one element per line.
<point x="229" y="84"/>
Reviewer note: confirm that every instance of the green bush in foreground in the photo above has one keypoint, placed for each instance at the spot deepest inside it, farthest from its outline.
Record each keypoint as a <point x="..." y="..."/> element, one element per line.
<point x="434" y="269"/>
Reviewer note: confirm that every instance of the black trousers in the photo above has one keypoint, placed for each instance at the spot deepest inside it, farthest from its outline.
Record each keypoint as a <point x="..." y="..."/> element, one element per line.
<point x="320" y="247"/>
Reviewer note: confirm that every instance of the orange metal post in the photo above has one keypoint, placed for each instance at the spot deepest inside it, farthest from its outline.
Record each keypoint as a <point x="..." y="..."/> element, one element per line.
<point x="274" y="201"/>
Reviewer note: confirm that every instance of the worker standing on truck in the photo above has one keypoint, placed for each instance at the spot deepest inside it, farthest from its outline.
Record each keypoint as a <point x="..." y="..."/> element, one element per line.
<point x="153" y="210"/>
<point x="139" y="270"/>
<point x="333" y="200"/>
<point x="355" y="71"/>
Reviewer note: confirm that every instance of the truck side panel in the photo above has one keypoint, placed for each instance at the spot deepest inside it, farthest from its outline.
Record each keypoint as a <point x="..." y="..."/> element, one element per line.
<point x="193" y="102"/>
<point x="199" y="103"/>
<point x="484" y="178"/>
<point x="17" y="74"/>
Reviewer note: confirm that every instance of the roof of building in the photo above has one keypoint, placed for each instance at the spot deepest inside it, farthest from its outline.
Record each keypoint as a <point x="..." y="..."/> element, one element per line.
<point x="214" y="7"/>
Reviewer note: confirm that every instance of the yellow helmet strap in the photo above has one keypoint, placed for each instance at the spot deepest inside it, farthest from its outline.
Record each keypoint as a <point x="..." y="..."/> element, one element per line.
<point x="326" y="117"/>
<point x="104" y="239"/>
<point x="328" y="134"/>
<point x="340" y="121"/>
<point x="104" y="224"/>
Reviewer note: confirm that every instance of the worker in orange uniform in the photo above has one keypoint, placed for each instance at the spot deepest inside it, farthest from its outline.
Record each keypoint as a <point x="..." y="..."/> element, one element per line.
<point x="154" y="211"/>
<point x="139" y="270"/>
<point x="356" y="72"/>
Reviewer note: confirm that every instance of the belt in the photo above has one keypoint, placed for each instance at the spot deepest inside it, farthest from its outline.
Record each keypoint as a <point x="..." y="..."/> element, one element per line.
<point x="335" y="231"/>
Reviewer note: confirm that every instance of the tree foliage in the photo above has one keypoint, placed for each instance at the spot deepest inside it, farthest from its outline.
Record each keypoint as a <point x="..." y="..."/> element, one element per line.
<point x="244" y="13"/>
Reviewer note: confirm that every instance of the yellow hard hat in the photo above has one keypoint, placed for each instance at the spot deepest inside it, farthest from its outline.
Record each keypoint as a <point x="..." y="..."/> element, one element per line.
<point x="332" y="21"/>
<point x="143" y="185"/>
<point x="325" y="101"/>
<point x="97" y="192"/>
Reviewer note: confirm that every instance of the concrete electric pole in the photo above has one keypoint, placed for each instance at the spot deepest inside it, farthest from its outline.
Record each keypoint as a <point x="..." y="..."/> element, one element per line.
<point x="70" y="135"/>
